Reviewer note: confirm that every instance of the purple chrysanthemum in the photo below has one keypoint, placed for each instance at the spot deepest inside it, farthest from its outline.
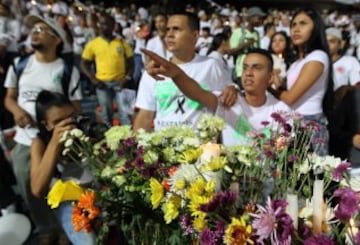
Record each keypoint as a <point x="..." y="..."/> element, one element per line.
<point x="293" y="158"/>
<point x="312" y="125"/>
<point x="287" y="127"/>
<point x="278" y="118"/>
<point x="339" y="171"/>
<point x="265" y="123"/>
<point x="219" y="229"/>
<point x="120" y="152"/>
<point x="272" y="222"/>
<point x="319" y="240"/>
<point x="221" y="199"/>
<point x="128" y="164"/>
<point x="185" y="223"/>
<point x="139" y="162"/>
<point x="207" y="237"/>
<point x="139" y="151"/>
<point x="129" y="142"/>
<point x="348" y="203"/>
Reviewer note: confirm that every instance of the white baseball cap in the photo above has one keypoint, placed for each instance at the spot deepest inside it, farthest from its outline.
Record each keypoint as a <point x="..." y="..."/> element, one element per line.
<point x="335" y="32"/>
<point x="31" y="20"/>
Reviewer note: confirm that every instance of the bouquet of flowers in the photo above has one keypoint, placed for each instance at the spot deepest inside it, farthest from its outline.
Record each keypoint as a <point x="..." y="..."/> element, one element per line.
<point x="178" y="186"/>
<point x="125" y="166"/>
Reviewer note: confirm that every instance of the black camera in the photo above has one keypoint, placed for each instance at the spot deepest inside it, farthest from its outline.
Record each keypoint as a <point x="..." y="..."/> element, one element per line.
<point x="89" y="126"/>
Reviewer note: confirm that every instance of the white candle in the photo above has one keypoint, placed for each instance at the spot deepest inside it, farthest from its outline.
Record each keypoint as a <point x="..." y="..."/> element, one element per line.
<point x="209" y="151"/>
<point x="292" y="208"/>
<point x="318" y="205"/>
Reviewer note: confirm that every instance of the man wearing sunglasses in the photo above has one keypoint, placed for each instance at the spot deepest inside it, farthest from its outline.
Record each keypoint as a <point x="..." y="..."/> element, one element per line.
<point x="43" y="70"/>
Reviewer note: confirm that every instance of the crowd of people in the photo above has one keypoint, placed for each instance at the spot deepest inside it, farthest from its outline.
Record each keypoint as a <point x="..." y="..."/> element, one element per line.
<point x="240" y="64"/>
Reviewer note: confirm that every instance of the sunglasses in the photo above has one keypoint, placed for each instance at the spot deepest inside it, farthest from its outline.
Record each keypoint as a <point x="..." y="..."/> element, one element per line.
<point x="39" y="29"/>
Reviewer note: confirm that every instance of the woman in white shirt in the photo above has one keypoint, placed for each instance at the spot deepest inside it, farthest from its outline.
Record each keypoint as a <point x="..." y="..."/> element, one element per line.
<point x="309" y="83"/>
<point x="283" y="56"/>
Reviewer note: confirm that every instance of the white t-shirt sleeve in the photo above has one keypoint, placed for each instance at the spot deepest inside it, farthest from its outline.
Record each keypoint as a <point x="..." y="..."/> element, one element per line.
<point x="74" y="92"/>
<point x="320" y="56"/>
<point x="221" y="77"/>
<point x="354" y="76"/>
<point x="146" y="93"/>
<point x="10" y="80"/>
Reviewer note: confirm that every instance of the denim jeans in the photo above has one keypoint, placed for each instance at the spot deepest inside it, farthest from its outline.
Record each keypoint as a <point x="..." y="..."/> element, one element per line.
<point x="106" y="97"/>
<point x="138" y="67"/>
<point x="320" y="138"/>
<point x="64" y="214"/>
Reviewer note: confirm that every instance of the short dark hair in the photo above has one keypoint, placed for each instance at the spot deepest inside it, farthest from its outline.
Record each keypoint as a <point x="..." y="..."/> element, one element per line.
<point x="193" y="20"/>
<point x="264" y="53"/>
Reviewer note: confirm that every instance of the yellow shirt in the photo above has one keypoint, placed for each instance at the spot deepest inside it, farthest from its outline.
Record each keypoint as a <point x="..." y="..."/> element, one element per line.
<point x="109" y="56"/>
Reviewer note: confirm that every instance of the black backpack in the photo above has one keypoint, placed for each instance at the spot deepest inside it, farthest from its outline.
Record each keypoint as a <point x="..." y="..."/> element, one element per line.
<point x="65" y="78"/>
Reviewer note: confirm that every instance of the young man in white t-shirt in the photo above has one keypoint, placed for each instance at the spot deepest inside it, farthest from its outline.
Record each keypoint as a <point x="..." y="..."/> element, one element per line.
<point x="43" y="71"/>
<point x="250" y="109"/>
<point x="164" y="102"/>
<point x="346" y="68"/>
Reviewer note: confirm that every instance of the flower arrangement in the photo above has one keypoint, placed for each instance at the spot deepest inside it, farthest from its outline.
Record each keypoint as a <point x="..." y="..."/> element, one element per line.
<point x="177" y="186"/>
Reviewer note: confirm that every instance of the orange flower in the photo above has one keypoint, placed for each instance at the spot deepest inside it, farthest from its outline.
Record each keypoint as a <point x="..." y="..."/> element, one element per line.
<point x="120" y="170"/>
<point x="86" y="202"/>
<point x="80" y="220"/>
<point x="165" y="184"/>
<point x="84" y="212"/>
<point x="172" y="170"/>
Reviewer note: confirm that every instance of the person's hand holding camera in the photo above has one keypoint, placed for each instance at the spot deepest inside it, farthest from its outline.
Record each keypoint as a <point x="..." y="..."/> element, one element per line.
<point x="60" y="128"/>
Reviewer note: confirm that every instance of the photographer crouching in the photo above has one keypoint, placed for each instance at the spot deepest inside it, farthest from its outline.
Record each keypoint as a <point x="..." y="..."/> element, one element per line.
<point x="55" y="115"/>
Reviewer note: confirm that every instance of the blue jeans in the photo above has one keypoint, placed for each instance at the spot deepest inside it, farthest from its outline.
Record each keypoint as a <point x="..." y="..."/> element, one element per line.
<point x="321" y="149"/>
<point x="63" y="214"/>
<point x="138" y="67"/>
<point x="106" y="97"/>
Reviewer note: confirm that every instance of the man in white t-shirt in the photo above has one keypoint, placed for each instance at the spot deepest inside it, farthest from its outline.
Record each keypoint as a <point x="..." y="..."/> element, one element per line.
<point x="157" y="43"/>
<point x="42" y="71"/>
<point x="163" y="101"/>
<point x="250" y="110"/>
<point x="346" y="69"/>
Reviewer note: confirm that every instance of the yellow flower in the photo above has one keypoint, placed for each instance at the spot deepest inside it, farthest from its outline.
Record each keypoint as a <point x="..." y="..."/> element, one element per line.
<point x="179" y="185"/>
<point x="63" y="191"/>
<point x="210" y="187"/>
<point x="200" y="223"/>
<point x="196" y="188"/>
<point x="190" y="156"/>
<point x="195" y="203"/>
<point x="238" y="232"/>
<point x="215" y="164"/>
<point x="171" y="208"/>
<point x="157" y="192"/>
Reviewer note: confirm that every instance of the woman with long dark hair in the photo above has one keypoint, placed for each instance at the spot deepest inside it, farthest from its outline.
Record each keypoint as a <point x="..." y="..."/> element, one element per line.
<point x="283" y="56"/>
<point x="309" y="80"/>
<point x="218" y="47"/>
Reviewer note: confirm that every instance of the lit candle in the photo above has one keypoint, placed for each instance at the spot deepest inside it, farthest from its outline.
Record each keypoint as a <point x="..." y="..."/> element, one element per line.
<point x="209" y="151"/>
<point x="318" y="205"/>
